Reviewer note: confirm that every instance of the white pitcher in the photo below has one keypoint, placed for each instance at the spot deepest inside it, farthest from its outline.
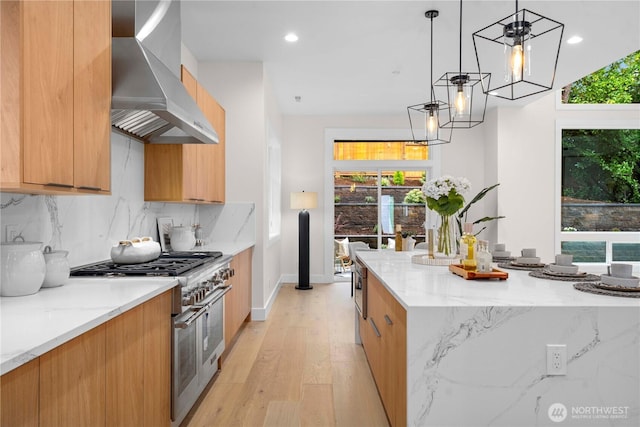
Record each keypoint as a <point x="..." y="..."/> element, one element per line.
<point x="182" y="238"/>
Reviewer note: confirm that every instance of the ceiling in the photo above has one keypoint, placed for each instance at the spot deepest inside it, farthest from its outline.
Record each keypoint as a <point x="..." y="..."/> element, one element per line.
<point x="372" y="57"/>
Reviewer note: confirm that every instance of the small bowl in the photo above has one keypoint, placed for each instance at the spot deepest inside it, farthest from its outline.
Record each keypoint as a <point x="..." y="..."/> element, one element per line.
<point x="567" y="269"/>
<point x="627" y="282"/>
<point x="525" y="260"/>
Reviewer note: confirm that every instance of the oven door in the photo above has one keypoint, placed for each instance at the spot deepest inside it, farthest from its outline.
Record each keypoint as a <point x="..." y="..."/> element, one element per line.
<point x="210" y="338"/>
<point x="185" y="365"/>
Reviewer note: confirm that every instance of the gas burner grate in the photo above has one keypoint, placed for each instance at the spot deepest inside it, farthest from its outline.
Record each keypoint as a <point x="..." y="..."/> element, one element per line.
<point x="168" y="264"/>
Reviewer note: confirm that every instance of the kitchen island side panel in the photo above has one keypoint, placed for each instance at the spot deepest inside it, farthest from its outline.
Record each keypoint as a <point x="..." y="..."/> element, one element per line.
<point x="472" y="366"/>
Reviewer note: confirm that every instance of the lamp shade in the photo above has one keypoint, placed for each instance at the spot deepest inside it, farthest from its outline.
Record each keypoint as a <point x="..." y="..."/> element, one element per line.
<point x="520" y="52"/>
<point x="304" y="200"/>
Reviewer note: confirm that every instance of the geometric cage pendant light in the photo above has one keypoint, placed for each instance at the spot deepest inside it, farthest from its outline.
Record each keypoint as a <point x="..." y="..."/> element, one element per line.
<point x="425" y="118"/>
<point x="464" y="93"/>
<point x="521" y="52"/>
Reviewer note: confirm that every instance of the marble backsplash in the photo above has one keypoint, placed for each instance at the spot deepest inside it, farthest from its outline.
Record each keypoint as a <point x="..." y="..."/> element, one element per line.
<point x="88" y="226"/>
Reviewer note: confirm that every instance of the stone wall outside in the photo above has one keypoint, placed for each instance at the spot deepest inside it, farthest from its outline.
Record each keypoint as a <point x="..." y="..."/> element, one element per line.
<point x="601" y="216"/>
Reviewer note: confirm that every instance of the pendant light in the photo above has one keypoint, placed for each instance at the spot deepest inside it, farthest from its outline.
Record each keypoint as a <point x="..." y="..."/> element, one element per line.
<point x="463" y="90"/>
<point x="431" y="112"/>
<point x="523" y="49"/>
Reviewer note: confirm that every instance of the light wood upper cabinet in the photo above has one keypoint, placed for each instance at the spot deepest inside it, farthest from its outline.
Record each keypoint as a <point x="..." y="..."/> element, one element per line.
<point x="192" y="173"/>
<point x="55" y="96"/>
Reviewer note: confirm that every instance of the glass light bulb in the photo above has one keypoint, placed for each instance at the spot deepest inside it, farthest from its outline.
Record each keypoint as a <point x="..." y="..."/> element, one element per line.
<point x="461" y="102"/>
<point x="432" y="126"/>
<point x="517" y="62"/>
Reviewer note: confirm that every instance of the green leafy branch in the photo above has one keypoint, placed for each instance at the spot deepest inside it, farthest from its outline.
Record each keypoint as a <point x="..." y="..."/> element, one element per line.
<point x="462" y="215"/>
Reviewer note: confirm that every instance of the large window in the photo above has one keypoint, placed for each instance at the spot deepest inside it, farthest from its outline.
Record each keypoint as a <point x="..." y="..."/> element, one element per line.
<point x="600" y="194"/>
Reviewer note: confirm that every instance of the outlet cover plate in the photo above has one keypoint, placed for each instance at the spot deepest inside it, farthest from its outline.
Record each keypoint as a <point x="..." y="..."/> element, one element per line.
<point x="556" y="359"/>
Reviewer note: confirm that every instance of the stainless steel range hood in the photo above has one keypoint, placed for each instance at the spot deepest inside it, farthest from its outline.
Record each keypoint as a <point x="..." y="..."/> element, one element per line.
<point x="148" y="101"/>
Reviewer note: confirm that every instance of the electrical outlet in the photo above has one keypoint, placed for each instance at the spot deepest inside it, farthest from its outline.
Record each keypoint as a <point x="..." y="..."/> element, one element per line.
<point x="11" y="231"/>
<point x="556" y="359"/>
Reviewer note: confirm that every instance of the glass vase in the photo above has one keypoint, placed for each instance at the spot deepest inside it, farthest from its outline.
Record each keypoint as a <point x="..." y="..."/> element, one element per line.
<point x="446" y="236"/>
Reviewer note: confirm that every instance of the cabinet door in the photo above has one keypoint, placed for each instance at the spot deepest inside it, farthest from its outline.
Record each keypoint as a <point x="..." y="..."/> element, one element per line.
<point x="48" y="92"/>
<point x="19" y="393"/>
<point x="72" y="382"/>
<point x="214" y="160"/>
<point x="157" y="361"/>
<point x="238" y="301"/>
<point x="125" y="369"/>
<point x="92" y="94"/>
<point x="191" y="152"/>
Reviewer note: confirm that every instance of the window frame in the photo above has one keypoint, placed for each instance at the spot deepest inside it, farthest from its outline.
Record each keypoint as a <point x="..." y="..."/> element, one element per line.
<point x="609" y="237"/>
<point x="363" y="134"/>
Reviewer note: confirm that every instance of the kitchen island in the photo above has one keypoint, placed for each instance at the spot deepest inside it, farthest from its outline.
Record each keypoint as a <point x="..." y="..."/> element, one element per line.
<point x="476" y="350"/>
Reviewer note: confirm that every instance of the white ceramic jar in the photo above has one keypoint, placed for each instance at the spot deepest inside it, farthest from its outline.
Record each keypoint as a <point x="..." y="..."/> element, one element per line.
<point x="23" y="268"/>
<point x="182" y="238"/>
<point x="57" y="268"/>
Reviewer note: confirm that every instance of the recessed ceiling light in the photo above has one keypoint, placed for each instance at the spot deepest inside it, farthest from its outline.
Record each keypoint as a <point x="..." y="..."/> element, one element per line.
<point x="493" y="93"/>
<point x="291" y="37"/>
<point x="574" y="40"/>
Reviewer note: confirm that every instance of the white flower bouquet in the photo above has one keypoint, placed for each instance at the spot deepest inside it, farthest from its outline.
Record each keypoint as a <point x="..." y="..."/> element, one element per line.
<point x="445" y="197"/>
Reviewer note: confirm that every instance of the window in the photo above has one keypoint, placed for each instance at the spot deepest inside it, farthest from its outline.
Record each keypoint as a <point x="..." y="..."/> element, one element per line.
<point x="275" y="182"/>
<point x="600" y="192"/>
<point x="617" y="83"/>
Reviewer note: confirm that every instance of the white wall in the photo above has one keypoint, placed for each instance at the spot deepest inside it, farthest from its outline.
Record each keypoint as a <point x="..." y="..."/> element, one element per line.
<point x="241" y="88"/>
<point x="525" y="161"/>
<point x="305" y="169"/>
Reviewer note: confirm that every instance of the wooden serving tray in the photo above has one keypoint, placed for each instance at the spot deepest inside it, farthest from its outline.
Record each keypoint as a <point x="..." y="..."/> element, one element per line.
<point x="474" y="275"/>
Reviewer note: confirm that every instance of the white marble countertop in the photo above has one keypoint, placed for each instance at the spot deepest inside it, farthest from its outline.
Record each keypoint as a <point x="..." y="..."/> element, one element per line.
<point x="34" y="324"/>
<point x="417" y="285"/>
<point x="227" y="248"/>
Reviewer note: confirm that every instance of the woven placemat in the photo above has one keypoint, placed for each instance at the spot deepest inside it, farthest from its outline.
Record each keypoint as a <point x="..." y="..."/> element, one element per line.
<point x="504" y="259"/>
<point x="583" y="278"/>
<point x="519" y="267"/>
<point x="593" y="289"/>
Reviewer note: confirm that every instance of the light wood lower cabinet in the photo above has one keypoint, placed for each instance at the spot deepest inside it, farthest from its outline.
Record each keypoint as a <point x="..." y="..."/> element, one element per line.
<point x="72" y="382"/>
<point x="384" y="337"/>
<point x="237" y="302"/>
<point x="116" y="374"/>
<point x="19" y="396"/>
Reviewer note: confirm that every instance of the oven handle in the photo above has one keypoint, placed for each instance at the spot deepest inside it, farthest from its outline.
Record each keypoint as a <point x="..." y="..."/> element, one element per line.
<point x="200" y="309"/>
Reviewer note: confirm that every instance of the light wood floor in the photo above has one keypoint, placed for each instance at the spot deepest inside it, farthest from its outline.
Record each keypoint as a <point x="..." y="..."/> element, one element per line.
<point x="298" y="368"/>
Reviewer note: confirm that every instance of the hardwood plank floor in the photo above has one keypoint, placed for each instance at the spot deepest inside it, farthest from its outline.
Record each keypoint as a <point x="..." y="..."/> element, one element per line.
<point x="298" y="368"/>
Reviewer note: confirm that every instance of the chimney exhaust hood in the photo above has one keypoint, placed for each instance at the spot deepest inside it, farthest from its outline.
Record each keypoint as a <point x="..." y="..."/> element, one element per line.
<point x="149" y="102"/>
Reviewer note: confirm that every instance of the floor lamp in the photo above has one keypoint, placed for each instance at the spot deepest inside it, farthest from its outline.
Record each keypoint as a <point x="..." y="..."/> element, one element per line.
<point x="303" y="201"/>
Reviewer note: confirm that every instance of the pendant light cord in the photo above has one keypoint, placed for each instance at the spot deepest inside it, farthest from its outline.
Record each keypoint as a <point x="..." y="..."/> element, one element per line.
<point x="460" y="36"/>
<point x="431" y="79"/>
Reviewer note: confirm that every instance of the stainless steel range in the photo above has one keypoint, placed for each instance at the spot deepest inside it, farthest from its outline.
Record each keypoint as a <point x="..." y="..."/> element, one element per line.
<point x="197" y="313"/>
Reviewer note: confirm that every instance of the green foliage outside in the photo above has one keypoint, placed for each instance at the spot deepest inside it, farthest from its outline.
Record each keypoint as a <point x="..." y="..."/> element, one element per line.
<point x="415" y="196"/>
<point x="369" y="199"/>
<point x="336" y="199"/>
<point x="618" y="83"/>
<point x="398" y="178"/>
<point x="359" y="177"/>
<point x="601" y="164"/>
<point x="384" y="182"/>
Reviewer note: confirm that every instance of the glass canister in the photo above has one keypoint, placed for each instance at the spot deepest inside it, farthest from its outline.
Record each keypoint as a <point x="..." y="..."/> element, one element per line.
<point x="57" y="267"/>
